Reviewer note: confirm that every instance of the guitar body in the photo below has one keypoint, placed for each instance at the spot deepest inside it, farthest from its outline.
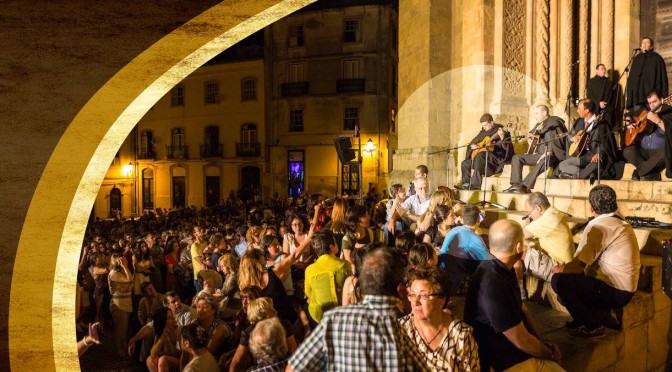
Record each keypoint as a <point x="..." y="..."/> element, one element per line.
<point x="534" y="145"/>
<point x="578" y="147"/>
<point x="641" y="124"/>
<point x="486" y="144"/>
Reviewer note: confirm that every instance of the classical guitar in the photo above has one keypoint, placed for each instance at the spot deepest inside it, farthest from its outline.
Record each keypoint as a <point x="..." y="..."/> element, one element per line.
<point x="641" y="124"/>
<point x="536" y="138"/>
<point x="488" y="143"/>
<point x="577" y="148"/>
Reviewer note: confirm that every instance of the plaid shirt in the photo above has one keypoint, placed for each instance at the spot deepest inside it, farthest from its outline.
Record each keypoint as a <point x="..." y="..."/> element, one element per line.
<point x="364" y="337"/>
<point x="275" y="367"/>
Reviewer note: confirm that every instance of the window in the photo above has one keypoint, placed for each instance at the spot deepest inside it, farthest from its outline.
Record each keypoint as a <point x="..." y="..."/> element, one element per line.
<point x="351" y="31"/>
<point x="248" y="89"/>
<point x="211" y="92"/>
<point x="351" y="69"/>
<point x="177" y="137"/>
<point x="177" y="95"/>
<point x="248" y="134"/>
<point x="211" y="147"/>
<point x="296" y="36"/>
<point x="146" y="145"/>
<point x="296" y="72"/>
<point x="296" y="120"/>
<point x="350" y="118"/>
<point x="147" y="189"/>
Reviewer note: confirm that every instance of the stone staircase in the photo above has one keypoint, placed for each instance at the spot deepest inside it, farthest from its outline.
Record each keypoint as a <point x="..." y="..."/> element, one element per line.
<point x="644" y="342"/>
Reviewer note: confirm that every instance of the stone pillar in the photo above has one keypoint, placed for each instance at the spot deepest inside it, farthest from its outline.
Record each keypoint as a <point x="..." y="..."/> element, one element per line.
<point x="542" y="51"/>
<point x="607" y="52"/>
<point x="584" y="41"/>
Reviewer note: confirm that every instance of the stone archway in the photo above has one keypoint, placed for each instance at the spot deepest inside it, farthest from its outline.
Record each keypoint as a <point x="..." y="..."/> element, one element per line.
<point x="41" y="330"/>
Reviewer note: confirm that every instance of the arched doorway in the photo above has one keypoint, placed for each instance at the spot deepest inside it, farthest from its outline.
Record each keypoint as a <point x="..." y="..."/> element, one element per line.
<point x="115" y="201"/>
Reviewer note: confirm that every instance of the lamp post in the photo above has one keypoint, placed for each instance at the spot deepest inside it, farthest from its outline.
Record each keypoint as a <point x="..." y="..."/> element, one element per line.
<point x="370" y="148"/>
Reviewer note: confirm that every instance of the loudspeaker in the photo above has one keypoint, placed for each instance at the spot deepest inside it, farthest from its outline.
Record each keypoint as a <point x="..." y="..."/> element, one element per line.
<point x="344" y="149"/>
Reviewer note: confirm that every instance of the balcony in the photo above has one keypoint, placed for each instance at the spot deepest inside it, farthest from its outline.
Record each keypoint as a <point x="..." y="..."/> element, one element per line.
<point x="294" y="89"/>
<point x="248" y="149"/>
<point x="147" y="154"/>
<point x="177" y="152"/>
<point x="212" y="151"/>
<point x="350" y="85"/>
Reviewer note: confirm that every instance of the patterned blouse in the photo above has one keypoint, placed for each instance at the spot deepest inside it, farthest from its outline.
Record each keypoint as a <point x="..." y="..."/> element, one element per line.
<point x="457" y="352"/>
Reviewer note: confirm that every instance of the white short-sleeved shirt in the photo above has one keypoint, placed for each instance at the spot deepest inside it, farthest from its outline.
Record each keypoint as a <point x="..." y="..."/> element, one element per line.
<point x="610" y="251"/>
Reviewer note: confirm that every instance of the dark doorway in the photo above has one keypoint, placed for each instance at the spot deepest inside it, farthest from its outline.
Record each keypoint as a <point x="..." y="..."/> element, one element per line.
<point x="296" y="174"/>
<point x="250" y="182"/>
<point x="115" y="201"/>
<point x="179" y="194"/>
<point x="212" y="195"/>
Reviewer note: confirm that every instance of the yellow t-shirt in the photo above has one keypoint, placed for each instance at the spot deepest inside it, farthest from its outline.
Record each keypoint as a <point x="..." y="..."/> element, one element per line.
<point x="196" y="251"/>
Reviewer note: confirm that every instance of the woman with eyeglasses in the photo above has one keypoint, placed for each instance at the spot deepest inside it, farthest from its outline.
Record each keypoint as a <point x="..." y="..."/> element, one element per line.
<point x="448" y="343"/>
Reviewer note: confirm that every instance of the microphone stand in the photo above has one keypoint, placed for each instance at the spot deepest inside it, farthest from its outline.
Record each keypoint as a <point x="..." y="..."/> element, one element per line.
<point x="547" y="154"/>
<point x="627" y="71"/>
<point x="570" y="92"/>
<point x="448" y="150"/>
<point x="598" y="140"/>
<point x="484" y="202"/>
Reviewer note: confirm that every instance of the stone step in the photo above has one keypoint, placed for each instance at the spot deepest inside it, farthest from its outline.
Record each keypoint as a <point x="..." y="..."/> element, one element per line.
<point x="577" y="205"/>
<point x="627" y="172"/>
<point x="649" y="239"/>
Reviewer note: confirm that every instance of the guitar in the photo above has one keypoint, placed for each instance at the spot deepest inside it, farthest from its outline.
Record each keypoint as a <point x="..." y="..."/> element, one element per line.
<point x="577" y="148"/>
<point x="641" y="124"/>
<point x="488" y="143"/>
<point x="536" y="138"/>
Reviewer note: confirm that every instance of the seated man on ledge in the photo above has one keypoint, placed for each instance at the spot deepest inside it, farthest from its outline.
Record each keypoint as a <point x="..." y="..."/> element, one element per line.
<point x="554" y="241"/>
<point x="506" y="334"/>
<point x="604" y="273"/>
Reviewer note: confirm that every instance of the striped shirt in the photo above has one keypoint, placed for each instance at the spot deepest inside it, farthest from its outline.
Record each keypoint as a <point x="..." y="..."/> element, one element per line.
<point x="364" y="337"/>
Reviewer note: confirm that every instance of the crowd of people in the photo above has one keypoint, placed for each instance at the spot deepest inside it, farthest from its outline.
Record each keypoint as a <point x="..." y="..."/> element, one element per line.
<point x="309" y="284"/>
<point x="306" y="284"/>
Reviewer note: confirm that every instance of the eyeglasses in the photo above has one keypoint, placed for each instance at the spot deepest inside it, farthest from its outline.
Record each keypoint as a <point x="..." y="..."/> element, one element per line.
<point x="423" y="297"/>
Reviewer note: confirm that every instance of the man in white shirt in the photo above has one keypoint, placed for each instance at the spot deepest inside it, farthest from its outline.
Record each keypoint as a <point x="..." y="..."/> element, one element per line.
<point x="604" y="273"/>
<point x="413" y="207"/>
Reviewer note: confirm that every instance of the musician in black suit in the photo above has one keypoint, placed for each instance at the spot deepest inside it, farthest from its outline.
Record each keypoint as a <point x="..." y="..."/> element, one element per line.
<point x="648" y="151"/>
<point x="599" y="90"/>
<point x="473" y="170"/>
<point x="600" y="145"/>
<point x="549" y="146"/>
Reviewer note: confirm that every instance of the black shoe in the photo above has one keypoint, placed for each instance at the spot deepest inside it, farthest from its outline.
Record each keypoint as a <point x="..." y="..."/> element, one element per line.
<point x="522" y="189"/>
<point x="511" y="189"/>
<point x="652" y="177"/>
<point x="635" y="175"/>
<point x="469" y="187"/>
<point x="584" y="332"/>
<point x="573" y="324"/>
<point x="566" y="176"/>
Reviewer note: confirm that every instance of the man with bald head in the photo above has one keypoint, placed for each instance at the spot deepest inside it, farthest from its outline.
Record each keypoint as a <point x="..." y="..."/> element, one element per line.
<point x="506" y="334"/>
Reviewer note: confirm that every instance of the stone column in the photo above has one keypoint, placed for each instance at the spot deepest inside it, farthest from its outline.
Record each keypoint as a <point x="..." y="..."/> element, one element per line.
<point x="583" y="47"/>
<point x="607" y="52"/>
<point x="542" y="51"/>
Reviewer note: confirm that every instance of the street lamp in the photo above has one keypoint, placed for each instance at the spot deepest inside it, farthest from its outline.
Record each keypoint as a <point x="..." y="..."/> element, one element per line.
<point x="127" y="170"/>
<point x="370" y="147"/>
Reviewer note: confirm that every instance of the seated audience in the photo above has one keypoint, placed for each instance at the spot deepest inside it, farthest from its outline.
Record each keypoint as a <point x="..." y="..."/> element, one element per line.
<point x="421" y="255"/>
<point x="446" y="342"/>
<point x="555" y="243"/>
<point x="443" y="220"/>
<point x="413" y="207"/>
<point x="258" y="310"/>
<point x="463" y="249"/>
<point x="164" y="353"/>
<point x="366" y="336"/>
<point x="604" y="273"/>
<point x="325" y="277"/>
<point x="396" y="198"/>
<point x="358" y="233"/>
<point x="268" y="346"/>
<point x="504" y="330"/>
<point x="195" y="341"/>
<point x="352" y="291"/>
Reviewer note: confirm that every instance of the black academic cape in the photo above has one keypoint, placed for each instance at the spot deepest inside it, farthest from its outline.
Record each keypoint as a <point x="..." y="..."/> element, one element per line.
<point x="549" y="131"/>
<point x="599" y="89"/>
<point x="600" y="137"/>
<point x="646" y="73"/>
<point x="503" y="151"/>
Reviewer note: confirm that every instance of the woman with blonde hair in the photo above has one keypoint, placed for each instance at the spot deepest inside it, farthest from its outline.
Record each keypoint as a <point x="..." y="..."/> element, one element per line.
<point x="439" y="197"/>
<point x="253" y="237"/>
<point x="338" y="223"/>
